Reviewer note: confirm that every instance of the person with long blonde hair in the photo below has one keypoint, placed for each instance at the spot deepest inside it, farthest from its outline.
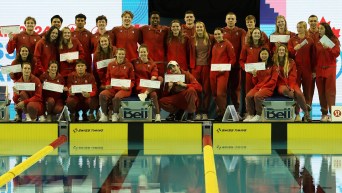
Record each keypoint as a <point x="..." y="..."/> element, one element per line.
<point x="200" y="55"/>
<point x="302" y="50"/>
<point x="69" y="44"/>
<point x="287" y="80"/>
<point x="103" y="51"/>
<point x="281" y="29"/>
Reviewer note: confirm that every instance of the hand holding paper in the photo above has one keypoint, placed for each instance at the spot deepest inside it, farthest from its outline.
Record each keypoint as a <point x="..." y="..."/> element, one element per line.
<point x="69" y="56"/>
<point x="10" y="29"/>
<point x="12" y="68"/>
<point x="150" y="83"/>
<point x="53" y="87"/>
<point x="279" y="38"/>
<point x="174" y="77"/>
<point x="27" y="86"/>
<point x="81" y="88"/>
<point x="326" y="41"/>
<point x="103" y="63"/>
<point x="249" y="67"/>
<point x="120" y="82"/>
<point x="220" y="67"/>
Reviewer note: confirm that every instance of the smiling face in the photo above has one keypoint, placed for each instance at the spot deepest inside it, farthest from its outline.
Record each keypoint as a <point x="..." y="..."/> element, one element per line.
<point x="120" y="56"/>
<point x="200" y="29"/>
<point x="321" y="30"/>
<point x="281" y="51"/>
<point x="29" y="25"/>
<point x="250" y="24"/>
<point x="101" y="24"/>
<point x="104" y="42"/>
<point x="281" y="23"/>
<point x="66" y="33"/>
<point x="24" y="52"/>
<point x="54" y="35"/>
<point x="218" y="35"/>
<point x="313" y="21"/>
<point x="53" y="68"/>
<point x="189" y="18"/>
<point x="175" y="28"/>
<point x="126" y="20"/>
<point x="264" y="55"/>
<point x="155" y="20"/>
<point x="256" y="35"/>
<point x="143" y="53"/>
<point x="56" y="22"/>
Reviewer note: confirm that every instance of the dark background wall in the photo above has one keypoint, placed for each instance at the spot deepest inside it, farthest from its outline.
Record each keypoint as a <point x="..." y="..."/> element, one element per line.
<point x="211" y="12"/>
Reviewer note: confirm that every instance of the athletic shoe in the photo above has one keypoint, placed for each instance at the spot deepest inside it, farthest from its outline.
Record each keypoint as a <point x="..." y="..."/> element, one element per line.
<point x="248" y="118"/>
<point x="256" y="118"/>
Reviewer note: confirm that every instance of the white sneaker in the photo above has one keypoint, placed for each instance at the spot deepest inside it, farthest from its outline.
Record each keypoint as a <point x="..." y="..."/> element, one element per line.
<point x="298" y="119"/>
<point x="115" y="117"/>
<point x="28" y="118"/>
<point x="204" y="117"/>
<point x="157" y="118"/>
<point x="248" y="118"/>
<point x="329" y="118"/>
<point x="256" y="118"/>
<point x="48" y="118"/>
<point x="198" y="117"/>
<point x="42" y="118"/>
<point x="324" y="118"/>
<point x="103" y="118"/>
<point x="142" y="96"/>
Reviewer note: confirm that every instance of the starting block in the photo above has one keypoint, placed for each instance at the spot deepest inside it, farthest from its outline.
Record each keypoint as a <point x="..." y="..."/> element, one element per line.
<point x="4" y="104"/>
<point x="134" y="110"/>
<point x="278" y="109"/>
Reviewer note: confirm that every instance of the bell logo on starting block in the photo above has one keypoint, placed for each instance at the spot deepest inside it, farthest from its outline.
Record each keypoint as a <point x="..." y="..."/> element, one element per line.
<point x="129" y="113"/>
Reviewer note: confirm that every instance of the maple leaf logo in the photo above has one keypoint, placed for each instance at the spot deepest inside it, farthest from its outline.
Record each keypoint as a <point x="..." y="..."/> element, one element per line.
<point x="335" y="31"/>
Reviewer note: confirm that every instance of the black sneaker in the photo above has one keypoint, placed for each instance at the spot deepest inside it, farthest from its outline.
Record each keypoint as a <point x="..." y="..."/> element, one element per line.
<point x="171" y="117"/>
<point x="92" y="118"/>
<point x="190" y="117"/>
<point x="84" y="117"/>
<point x="72" y="117"/>
<point x="219" y="118"/>
<point x="179" y="115"/>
